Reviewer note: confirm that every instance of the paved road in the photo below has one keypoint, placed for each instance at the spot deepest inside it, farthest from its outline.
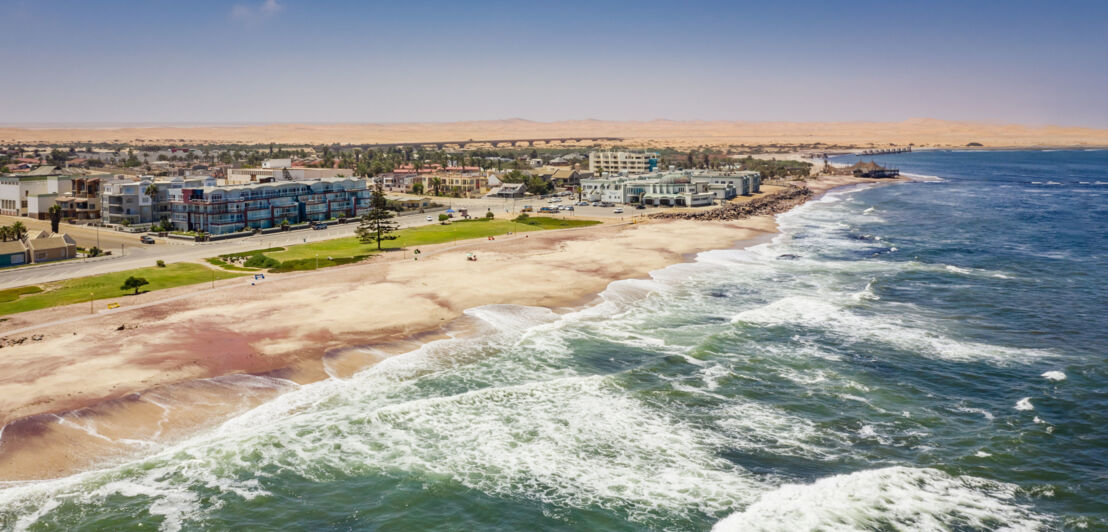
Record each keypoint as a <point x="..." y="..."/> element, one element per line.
<point x="131" y="254"/>
<point x="138" y="255"/>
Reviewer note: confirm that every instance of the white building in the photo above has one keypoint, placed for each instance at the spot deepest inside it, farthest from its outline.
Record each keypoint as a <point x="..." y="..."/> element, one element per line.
<point x="16" y="191"/>
<point x="272" y="164"/>
<point x="625" y="162"/>
<point x="244" y="176"/>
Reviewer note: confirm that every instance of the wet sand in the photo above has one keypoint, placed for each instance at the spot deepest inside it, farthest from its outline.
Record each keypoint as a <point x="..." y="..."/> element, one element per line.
<point x="90" y="392"/>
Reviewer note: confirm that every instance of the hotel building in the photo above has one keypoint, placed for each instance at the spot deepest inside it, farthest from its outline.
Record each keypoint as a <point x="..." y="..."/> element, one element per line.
<point x="625" y="162"/>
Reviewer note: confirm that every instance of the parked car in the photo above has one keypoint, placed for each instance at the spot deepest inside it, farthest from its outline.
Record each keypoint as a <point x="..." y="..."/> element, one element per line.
<point x="618" y="211"/>
<point x="607" y="204"/>
<point x="147" y="239"/>
<point x="596" y="204"/>
<point x="640" y="206"/>
<point x="582" y="204"/>
<point x="319" y="226"/>
<point x="569" y="207"/>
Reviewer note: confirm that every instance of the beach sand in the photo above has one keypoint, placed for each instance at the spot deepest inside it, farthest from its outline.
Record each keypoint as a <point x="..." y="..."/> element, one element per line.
<point x="107" y="386"/>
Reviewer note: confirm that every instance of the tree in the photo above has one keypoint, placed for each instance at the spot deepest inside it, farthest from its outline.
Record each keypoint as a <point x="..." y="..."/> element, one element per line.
<point x="135" y="283"/>
<point x="55" y="217"/>
<point x="5" y="233"/>
<point x="436" y="185"/>
<point x="18" y="230"/>
<point x="151" y="191"/>
<point x="443" y="218"/>
<point x="417" y="188"/>
<point x="377" y="224"/>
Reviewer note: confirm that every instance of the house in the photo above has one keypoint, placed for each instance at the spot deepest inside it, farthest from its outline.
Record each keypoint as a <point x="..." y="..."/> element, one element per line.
<point x="12" y="253"/>
<point x="508" y="190"/>
<point x="45" y="246"/>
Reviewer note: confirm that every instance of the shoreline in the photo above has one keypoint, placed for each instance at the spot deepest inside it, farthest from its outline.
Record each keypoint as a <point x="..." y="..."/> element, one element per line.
<point x="171" y="372"/>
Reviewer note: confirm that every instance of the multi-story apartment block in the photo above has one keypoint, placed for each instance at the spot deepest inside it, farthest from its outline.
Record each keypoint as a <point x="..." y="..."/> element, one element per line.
<point x="220" y="210"/>
<point x="616" y="162"/>
<point x="129" y="202"/>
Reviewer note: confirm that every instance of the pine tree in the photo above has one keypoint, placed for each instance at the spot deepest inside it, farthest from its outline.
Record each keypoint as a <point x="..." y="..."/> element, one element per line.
<point x="377" y="224"/>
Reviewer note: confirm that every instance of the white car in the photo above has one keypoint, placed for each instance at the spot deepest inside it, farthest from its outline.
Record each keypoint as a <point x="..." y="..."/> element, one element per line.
<point x="618" y="211"/>
<point x="429" y="219"/>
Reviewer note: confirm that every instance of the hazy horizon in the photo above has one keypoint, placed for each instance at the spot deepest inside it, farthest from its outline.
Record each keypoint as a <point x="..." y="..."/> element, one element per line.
<point x="295" y="62"/>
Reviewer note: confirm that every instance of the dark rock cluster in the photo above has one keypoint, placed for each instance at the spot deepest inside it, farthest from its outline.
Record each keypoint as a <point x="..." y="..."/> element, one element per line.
<point x="770" y="204"/>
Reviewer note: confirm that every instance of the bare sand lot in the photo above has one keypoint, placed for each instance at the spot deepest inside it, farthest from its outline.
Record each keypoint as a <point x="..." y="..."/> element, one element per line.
<point x="657" y="133"/>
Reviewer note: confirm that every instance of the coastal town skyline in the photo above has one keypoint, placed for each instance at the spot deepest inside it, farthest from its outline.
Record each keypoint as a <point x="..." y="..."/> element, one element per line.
<point x="264" y="61"/>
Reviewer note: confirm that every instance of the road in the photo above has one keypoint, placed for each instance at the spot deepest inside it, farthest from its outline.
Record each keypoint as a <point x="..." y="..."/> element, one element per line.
<point x="139" y="255"/>
<point x="128" y="253"/>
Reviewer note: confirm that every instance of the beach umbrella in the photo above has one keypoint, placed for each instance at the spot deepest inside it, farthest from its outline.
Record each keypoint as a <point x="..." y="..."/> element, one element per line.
<point x="449" y="210"/>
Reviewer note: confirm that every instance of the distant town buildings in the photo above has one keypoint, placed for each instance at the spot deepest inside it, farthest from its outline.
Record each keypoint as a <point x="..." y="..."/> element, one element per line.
<point x="616" y="162"/>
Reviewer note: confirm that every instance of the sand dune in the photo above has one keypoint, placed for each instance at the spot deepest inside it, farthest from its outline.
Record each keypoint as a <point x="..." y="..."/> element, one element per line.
<point x="921" y="132"/>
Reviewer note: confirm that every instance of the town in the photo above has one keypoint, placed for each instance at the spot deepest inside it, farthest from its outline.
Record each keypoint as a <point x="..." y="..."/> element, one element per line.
<point x="96" y="198"/>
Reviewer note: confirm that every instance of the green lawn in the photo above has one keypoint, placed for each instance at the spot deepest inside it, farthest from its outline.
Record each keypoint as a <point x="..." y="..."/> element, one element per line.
<point x="105" y="286"/>
<point x="346" y="250"/>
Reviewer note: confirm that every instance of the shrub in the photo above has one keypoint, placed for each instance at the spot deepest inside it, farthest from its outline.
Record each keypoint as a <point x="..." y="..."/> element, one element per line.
<point x="489" y="215"/>
<point x="522" y="218"/>
<point x="261" y="261"/>
<point x="161" y="263"/>
<point x="135" y="283"/>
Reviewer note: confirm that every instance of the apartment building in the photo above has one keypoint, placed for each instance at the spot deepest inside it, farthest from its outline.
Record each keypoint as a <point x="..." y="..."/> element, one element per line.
<point x="622" y="162"/>
<point x="227" y="209"/>
<point x="128" y="201"/>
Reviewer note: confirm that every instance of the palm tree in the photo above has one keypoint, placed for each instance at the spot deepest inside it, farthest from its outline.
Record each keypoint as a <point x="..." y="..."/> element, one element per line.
<point x="55" y="217"/>
<point x="18" y="230"/>
<point x="5" y="233"/>
<point x="436" y="185"/>
<point x="152" y="191"/>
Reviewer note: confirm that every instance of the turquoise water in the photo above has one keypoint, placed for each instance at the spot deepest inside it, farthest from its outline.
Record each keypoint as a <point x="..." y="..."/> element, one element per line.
<point x="926" y="355"/>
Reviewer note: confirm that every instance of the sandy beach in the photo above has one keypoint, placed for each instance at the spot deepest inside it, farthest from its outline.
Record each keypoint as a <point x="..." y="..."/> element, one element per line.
<point x="98" y="387"/>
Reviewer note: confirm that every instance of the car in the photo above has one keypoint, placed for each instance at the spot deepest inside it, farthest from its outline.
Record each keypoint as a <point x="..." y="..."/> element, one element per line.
<point x="569" y="207"/>
<point x="640" y="206"/>
<point x="582" y="204"/>
<point x="618" y="211"/>
<point x="596" y="204"/>
<point x="429" y="219"/>
<point x="319" y="226"/>
<point x="147" y="239"/>
<point x="607" y="204"/>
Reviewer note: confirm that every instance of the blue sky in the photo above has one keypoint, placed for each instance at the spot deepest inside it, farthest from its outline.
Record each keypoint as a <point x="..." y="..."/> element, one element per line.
<point x="163" y="61"/>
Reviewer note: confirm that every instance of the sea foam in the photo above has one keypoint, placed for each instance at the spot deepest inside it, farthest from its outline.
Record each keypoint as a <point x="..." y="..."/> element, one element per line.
<point x="894" y="498"/>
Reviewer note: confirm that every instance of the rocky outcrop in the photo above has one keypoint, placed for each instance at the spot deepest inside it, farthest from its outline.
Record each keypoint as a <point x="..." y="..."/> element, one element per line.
<point x="771" y="204"/>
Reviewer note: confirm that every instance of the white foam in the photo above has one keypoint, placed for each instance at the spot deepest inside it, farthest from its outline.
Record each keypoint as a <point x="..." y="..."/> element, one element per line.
<point x="1025" y="404"/>
<point x="889" y="498"/>
<point x="813" y="312"/>
<point x="1054" y="375"/>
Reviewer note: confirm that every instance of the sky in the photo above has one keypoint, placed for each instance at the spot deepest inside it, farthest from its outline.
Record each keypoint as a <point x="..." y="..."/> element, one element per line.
<point x="162" y="61"/>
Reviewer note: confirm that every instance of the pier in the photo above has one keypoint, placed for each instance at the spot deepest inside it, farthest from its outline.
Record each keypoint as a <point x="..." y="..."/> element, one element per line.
<point x="885" y="151"/>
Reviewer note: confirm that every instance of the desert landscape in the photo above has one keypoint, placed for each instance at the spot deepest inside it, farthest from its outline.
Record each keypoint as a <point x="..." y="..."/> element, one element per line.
<point x="652" y="133"/>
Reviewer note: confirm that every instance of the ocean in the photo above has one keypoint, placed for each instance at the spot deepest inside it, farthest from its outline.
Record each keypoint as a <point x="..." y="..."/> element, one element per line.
<point x="927" y="355"/>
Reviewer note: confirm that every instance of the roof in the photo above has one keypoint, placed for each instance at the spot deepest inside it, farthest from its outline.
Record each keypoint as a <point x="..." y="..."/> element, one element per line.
<point x="55" y="241"/>
<point x="44" y="170"/>
<point x="12" y="246"/>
